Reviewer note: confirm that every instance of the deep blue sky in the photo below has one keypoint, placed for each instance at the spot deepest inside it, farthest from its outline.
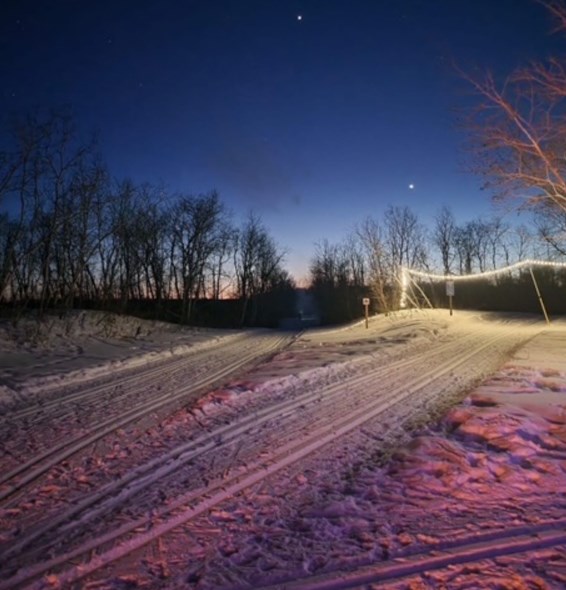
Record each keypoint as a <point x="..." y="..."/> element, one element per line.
<point x="313" y="123"/>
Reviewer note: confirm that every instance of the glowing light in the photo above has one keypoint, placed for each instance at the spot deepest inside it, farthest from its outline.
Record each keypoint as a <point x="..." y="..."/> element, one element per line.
<point x="406" y="272"/>
<point x="299" y="17"/>
<point x="488" y="273"/>
<point x="411" y="186"/>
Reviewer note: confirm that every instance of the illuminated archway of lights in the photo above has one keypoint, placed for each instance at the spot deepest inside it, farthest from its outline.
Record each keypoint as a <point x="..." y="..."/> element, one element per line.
<point x="407" y="272"/>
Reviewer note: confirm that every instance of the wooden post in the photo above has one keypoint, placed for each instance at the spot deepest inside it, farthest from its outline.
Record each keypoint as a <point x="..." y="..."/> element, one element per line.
<point x="365" y="302"/>
<point x="539" y="295"/>
<point x="450" y="293"/>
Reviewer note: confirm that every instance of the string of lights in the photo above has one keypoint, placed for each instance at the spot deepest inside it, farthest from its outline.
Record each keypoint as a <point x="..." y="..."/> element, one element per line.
<point x="480" y="275"/>
<point x="408" y="273"/>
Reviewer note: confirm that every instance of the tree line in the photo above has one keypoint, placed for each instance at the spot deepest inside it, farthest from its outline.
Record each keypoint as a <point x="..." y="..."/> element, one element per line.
<point x="368" y="262"/>
<point x="516" y="138"/>
<point x="70" y="235"/>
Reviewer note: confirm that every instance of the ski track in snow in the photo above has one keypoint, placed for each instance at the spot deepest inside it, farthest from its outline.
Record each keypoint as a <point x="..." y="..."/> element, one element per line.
<point x="204" y="477"/>
<point x="132" y="398"/>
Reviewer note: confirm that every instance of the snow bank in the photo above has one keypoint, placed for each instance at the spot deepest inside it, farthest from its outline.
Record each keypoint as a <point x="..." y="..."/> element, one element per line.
<point x="37" y="355"/>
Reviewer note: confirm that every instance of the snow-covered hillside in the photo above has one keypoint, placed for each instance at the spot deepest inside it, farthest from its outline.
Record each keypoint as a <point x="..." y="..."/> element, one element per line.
<point x="427" y="451"/>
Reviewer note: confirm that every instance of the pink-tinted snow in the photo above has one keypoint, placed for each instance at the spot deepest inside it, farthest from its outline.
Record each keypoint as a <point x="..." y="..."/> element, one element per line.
<point x="475" y="498"/>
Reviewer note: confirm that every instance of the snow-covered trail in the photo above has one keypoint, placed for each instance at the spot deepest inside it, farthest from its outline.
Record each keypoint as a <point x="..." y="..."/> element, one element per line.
<point x="39" y="435"/>
<point x="161" y="491"/>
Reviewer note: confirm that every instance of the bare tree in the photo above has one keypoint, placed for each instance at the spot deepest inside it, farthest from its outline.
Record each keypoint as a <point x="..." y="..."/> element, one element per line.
<point x="48" y="175"/>
<point x="197" y="233"/>
<point x="520" y="242"/>
<point x="496" y="233"/>
<point x="258" y="264"/>
<point x="353" y="254"/>
<point x="325" y="265"/>
<point x="220" y="276"/>
<point x="379" y="262"/>
<point x="468" y="244"/>
<point x="338" y="278"/>
<point x="102" y="267"/>
<point x="405" y="238"/>
<point x="72" y="235"/>
<point x="444" y="237"/>
<point x="551" y="228"/>
<point x="400" y="240"/>
<point x="518" y="130"/>
<point x="150" y="239"/>
<point x="123" y="219"/>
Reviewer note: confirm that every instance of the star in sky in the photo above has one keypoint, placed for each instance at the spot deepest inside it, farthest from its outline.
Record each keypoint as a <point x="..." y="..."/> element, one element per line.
<point x="182" y="97"/>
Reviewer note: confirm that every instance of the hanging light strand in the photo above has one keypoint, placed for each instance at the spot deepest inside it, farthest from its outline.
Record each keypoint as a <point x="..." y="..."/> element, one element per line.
<point x="480" y="275"/>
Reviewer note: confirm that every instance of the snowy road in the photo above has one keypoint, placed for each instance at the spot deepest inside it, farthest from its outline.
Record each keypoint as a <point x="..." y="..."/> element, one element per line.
<point x="169" y="491"/>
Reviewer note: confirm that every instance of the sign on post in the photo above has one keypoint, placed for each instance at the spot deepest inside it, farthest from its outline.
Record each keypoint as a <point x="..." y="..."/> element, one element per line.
<point x="450" y="293"/>
<point x="365" y="302"/>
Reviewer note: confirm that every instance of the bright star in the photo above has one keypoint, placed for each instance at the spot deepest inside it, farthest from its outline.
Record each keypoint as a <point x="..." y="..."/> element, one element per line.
<point x="299" y="17"/>
<point x="411" y="186"/>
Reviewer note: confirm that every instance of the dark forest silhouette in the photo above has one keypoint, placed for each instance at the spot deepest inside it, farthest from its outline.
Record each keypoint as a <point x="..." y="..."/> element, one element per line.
<point x="73" y="237"/>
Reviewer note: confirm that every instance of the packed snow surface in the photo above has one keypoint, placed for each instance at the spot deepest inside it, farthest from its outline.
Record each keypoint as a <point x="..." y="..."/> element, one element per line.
<point x="427" y="451"/>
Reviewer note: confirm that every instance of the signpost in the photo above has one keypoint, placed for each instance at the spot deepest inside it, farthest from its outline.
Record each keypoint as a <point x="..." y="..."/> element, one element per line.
<point x="450" y="293"/>
<point x="365" y="302"/>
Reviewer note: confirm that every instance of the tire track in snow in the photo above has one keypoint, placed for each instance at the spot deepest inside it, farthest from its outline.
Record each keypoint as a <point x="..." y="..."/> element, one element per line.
<point x="190" y="505"/>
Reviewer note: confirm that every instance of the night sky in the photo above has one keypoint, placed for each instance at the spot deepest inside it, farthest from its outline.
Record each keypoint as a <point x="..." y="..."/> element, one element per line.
<point x="312" y="122"/>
